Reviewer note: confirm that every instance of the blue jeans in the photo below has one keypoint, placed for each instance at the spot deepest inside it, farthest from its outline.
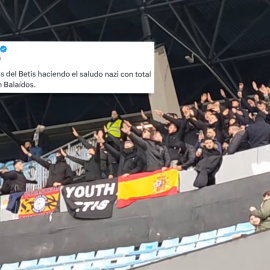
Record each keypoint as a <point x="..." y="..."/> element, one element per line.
<point x="37" y="151"/>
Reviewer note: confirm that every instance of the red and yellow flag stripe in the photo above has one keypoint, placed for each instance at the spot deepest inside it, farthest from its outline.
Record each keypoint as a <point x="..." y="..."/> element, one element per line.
<point x="146" y="185"/>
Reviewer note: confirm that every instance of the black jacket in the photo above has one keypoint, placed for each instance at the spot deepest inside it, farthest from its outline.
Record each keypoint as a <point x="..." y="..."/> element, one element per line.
<point x="238" y="143"/>
<point x="59" y="172"/>
<point x="187" y="158"/>
<point x="92" y="166"/>
<point x="156" y="154"/>
<point x="16" y="182"/>
<point x="128" y="163"/>
<point x="258" y="134"/>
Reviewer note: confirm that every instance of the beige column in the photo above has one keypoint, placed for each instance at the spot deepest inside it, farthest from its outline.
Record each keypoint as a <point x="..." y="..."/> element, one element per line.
<point x="165" y="97"/>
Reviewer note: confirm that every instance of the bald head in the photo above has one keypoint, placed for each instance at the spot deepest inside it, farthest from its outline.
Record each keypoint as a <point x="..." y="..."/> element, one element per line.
<point x="233" y="130"/>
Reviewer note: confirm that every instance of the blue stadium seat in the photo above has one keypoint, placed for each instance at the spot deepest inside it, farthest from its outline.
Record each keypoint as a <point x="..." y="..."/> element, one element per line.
<point x="47" y="261"/>
<point x="9" y="163"/>
<point x="146" y="258"/>
<point x="206" y="243"/>
<point x="190" y="239"/>
<point x="102" y="263"/>
<point x="185" y="248"/>
<point x="65" y="259"/>
<point x="10" y="266"/>
<point x="187" y="244"/>
<point x="225" y="234"/>
<point x="83" y="266"/>
<point x="123" y="263"/>
<point x="207" y="235"/>
<point x="124" y="250"/>
<point x="10" y="167"/>
<point x="148" y="246"/>
<point x="245" y="228"/>
<point x="170" y="242"/>
<point x="85" y="256"/>
<point x="105" y="253"/>
<point x="167" y="252"/>
<point x="28" y="264"/>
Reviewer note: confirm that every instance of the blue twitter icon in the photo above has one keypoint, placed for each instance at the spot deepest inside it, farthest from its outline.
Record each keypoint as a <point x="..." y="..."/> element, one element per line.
<point x="3" y="49"/>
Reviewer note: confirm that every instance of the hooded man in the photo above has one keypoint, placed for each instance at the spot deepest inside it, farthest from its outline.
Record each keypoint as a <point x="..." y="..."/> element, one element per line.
<point x="129" y="158"/>
<point x="91" y="166"/>
<point x="156" y="153"/>
<point x="60" y="173"/>
<point x="15" y="181"/>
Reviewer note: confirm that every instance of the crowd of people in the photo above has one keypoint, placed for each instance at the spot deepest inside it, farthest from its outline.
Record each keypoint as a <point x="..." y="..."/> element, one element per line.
<point x="198" y="138"/>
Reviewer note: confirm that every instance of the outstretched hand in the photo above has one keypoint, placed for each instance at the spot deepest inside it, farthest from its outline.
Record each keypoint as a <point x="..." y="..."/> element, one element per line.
<point x="99" y="139"/>
<point x="75" y="133"/>
<point x="24" y="150"/>
<point x="222" y="93"/>
<point x="144" y="117"/>
<point x="63" y="153"/>
<point x="158" y="112"/>
<point x="125" y="128"/>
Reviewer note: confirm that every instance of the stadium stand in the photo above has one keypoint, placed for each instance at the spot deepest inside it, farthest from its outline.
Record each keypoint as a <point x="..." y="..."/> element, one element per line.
<point x="129" y="257"/>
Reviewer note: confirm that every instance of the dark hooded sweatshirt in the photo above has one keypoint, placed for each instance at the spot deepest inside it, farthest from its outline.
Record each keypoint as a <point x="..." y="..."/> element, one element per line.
<point x="59" y="172"/>
<point x="92" y="167"/>
<point x="130" y="160"/>
<point x="258" y="134"/>
<point x="157" y="155"/>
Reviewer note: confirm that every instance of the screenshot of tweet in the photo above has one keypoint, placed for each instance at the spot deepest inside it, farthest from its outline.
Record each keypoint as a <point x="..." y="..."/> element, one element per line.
<point x="77" y="67"/>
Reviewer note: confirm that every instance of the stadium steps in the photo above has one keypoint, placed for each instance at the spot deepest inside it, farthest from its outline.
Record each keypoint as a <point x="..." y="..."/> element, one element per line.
<point x="123" y="258"/>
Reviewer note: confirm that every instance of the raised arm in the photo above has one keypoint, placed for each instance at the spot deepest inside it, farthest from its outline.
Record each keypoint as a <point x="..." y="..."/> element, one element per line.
<point x="81" y="139"/>
<point x="9" y="175"/>
<point x="112" y="151"/>
<point x="74" y="159"/>
<point x="39" y="160"/>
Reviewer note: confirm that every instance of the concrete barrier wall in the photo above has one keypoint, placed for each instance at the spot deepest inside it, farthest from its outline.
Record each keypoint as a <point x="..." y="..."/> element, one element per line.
<point x="240" y="165"/>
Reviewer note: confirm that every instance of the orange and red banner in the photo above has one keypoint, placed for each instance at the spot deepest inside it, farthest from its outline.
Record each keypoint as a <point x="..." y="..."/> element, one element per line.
<point x="146" y="185"/>
<point x="39" y="202"/>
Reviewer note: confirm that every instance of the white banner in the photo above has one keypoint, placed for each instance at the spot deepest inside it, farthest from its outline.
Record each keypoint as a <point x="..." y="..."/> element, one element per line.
<point x="76" y="67"/>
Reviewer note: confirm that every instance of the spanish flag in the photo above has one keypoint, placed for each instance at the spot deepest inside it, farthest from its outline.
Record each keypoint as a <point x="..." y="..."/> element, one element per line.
<point x="146" y="185"/>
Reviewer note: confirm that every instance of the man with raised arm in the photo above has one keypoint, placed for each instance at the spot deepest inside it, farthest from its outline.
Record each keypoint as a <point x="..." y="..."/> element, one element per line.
<point x="157" y="155"/>
<point x="60" y="173"/>
<point x="14" y="181"/>
<point x="91" y="166"/>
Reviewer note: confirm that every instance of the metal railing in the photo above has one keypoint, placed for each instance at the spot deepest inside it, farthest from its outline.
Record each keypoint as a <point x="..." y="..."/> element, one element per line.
<point x="34" y="171"/>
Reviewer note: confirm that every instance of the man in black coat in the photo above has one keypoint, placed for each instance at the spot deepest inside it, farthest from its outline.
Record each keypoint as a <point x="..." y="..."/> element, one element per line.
<point x="91" y="166"/>
<point x="238" y="141"/>
<point x="156" y="153"/>
<point x="129" y="158"/>
<point x="258" y="133"/>
<point x="60" y="173"/>
<point x="186" y="156"/>
<point x="15" y="181"/>
<point x="208" y="161"/>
